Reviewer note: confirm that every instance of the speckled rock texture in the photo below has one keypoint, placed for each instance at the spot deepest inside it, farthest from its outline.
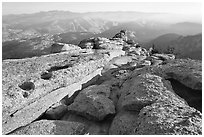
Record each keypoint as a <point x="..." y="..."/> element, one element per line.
<point x="160" y="118"/>
<point x="93" y="103"/>
<point x="143" y="90"/>
<point x="52" y="127"/>
<point x="98" y="91"/>
<point x="34" y="84"/>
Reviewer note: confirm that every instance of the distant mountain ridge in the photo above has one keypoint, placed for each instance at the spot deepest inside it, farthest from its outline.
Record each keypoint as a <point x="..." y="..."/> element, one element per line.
<point x="183" y="46"/>
<point x="37" y="32"/>
<point x="56" y="22"/>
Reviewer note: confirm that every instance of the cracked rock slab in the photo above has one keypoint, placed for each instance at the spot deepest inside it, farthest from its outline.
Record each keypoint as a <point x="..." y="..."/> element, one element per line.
<point x="68" y="75"/>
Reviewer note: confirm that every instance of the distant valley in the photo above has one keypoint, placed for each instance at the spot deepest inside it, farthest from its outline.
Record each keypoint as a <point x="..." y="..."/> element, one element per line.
<point x="28" y="35"/>
<point x="182" y="46"/>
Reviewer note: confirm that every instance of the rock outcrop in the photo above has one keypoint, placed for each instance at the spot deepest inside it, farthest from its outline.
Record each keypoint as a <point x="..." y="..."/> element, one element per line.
<point x="108" y="86"/>
<point x="102" y="43"/>
<point x="26" y="91"/>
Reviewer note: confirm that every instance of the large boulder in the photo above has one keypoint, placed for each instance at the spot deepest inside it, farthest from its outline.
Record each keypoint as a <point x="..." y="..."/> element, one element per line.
<point x="186" y="71"/>
<point x="143" y="90"/>
<point x="93" y="103"/>
<point x="169" y="119"/>
<point x="52" y="127"/>
<point x="162" y="118"/>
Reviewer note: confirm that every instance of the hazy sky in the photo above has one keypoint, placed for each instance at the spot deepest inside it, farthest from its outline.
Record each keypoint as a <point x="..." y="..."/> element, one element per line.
<point x="31" y="7"/>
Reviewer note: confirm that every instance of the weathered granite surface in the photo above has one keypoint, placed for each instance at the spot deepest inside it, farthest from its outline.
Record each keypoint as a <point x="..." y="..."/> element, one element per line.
<point x="98" y="91"/>
<point x="52" y="127"/>
<point x="66" y="71"/>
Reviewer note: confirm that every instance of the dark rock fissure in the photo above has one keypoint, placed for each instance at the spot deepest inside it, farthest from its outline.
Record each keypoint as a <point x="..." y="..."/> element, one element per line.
<point x="56" y="68"/>
<point x="192" y="97"/>
<point x="46" y="75"/>
<point x="27" y="86"/>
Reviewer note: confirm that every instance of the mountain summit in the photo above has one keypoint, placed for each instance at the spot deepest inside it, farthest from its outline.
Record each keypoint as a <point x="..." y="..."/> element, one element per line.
<point x="102" y="86"/>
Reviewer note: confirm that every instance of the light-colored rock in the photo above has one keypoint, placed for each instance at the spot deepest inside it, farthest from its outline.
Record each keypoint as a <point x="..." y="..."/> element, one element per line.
<point x="65" y="71"/>
<point x="143" y="90"/>
<point x="111" y="53"/>
<point x="119" y="61"/>
<point x="162" y="118"/>
<point x="165" y="56"/>
<point x="186" y="71"/>
<point x="93" y="103"/>
<point x="169" y="119"/>
<point x="52" y="127"/>
<point x="135" y="51"/>
<point x="110" y="46"/>
<point x="36" y="108"/>
<point x="69" y="47"/>
<point x="62" y="47"/>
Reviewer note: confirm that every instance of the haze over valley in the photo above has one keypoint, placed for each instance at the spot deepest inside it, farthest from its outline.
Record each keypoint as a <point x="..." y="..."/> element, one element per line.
<point x="36" y="32"/>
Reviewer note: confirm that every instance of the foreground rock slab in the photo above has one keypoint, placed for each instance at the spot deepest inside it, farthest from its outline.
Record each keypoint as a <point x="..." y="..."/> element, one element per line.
<point x="52" y="127"/>
<point x="63" y="74"/>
